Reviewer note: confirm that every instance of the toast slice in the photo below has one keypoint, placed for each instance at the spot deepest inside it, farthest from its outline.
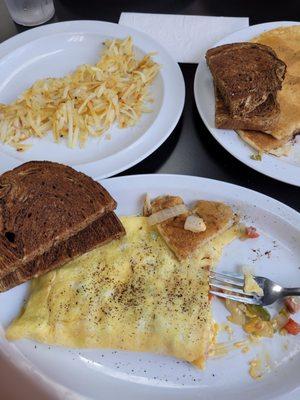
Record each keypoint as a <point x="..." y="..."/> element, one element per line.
<point x="264" y="118"/>
<point x="246" y="74"/>
<point x="218" y="217"/>
<point x="103" y="230"/>
<point x="41" y="204"/>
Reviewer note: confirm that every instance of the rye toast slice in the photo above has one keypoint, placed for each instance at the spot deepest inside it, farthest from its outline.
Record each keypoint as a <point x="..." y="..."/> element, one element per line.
<point x="263" y="118"/>
<point x="103" y="230"/>
<point x="41" y="204"/>
<point x="246" y="74"/>
<point x="218" y="217"/>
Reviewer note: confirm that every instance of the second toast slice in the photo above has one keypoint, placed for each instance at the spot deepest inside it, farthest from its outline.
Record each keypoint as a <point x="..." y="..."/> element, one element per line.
<point x="264" y="118"/>
<point x="246" y="74"/>
<point x="101" y="231"/>
<point x="41" y="204"/>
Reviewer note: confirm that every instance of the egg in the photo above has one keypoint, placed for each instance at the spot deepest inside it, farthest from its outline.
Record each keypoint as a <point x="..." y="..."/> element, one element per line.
<point x="131" y="294"/>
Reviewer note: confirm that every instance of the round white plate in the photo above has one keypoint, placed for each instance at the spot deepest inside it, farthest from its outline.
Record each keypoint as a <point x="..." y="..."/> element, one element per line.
<point x="57" y="49"/>
<point x="112" y="375"/>
<point x="285" y="169"/>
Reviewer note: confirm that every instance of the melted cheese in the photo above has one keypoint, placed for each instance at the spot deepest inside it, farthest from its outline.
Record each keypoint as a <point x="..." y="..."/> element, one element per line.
<point x="130" y="294"/>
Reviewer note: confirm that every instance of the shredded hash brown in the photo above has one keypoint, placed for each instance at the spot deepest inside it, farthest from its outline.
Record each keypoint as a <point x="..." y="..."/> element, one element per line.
<point x="86" y="102"/>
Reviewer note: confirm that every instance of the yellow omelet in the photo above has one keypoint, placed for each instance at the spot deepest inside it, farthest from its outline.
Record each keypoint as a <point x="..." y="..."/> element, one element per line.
<point x="131" y="294"/>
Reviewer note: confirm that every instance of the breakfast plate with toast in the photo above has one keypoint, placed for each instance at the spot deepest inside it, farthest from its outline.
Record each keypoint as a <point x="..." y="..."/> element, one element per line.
<point x="248" y="95"/>
<point x="94" y="95"/>
<point x="107" y="290"/>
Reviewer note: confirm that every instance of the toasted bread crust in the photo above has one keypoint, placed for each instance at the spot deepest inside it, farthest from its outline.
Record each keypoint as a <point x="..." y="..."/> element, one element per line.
<point x="218" y="217"/>
<point x="41" y="204"/>
<point x="246" y="74"/>
<point x="103" y="230"/>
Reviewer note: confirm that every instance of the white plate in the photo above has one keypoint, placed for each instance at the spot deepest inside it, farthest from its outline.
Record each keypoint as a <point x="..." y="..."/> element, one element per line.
<point x="113" y="374"/>
<point x="285" y="169"/>
<point x="57" y="49"/>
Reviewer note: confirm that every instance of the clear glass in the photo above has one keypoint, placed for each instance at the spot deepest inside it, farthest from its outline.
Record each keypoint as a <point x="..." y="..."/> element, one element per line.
<point x="30" y="12"/>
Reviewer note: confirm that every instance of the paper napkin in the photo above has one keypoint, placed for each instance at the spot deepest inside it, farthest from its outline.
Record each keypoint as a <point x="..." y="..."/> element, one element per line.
<point x="186" y="37"/>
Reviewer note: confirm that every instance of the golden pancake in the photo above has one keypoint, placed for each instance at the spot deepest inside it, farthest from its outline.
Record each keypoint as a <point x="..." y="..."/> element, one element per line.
<point x="262" y="141"/>
<point x="285" y="42"/>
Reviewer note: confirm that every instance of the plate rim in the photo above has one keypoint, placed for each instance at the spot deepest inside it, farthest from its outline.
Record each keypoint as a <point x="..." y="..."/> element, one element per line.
<point x="47" y="383"/>
<point x="261" y="196"/>
<point x="216" y="132"/>
<point x="142" y="147"/>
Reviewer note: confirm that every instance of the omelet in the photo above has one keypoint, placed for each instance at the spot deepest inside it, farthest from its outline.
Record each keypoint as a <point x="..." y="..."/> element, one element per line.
<point x="131" y="294"/>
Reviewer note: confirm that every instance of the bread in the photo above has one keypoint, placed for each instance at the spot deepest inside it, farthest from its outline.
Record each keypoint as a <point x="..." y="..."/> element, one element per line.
<point x="263" y="118"/>
<point x="42" y="204"/>
<point x="101" y="231"/>
<point x="246" y="74"/>
<point x="218" y="217"/>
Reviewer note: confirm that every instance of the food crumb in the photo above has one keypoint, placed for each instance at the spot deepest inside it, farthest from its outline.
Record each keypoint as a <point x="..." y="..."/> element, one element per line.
<point x="256" y="157"/>
<point x="283" y="332"/>
<point x="259" y="366"/>
<point x="227" y="329"/>
<point x="285" y="346"/>
<point x="219" y="350"/>
<point x="255" y="369"/>
<point x="243" y="345"/>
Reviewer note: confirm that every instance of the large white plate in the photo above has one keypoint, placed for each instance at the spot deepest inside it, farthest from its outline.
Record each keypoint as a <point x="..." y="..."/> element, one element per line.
<point x="57" y="49"/>
<point x="285" y="169"/>
<point x="111" y="375"/>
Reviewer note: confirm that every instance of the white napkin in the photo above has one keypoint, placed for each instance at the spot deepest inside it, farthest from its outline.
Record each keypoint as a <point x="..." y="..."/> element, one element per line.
<point x="186" y="37"/>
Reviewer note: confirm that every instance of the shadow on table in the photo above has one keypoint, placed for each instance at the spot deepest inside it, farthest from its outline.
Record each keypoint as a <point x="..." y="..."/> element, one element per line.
<point x="258" y="11"/>
<point x="152" y="163"/>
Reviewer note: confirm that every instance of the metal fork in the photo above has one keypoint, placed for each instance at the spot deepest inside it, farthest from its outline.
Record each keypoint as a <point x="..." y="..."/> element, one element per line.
<point x="232" y="287"/>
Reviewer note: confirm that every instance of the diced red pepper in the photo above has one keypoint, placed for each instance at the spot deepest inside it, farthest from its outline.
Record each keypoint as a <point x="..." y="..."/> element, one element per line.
<point x="292" y="305"/>
<point x="251" y="232"/>
<point x="292" y="327"/>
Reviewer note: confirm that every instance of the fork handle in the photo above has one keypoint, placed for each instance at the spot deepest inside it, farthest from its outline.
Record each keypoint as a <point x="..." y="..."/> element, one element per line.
<point x="291" y="292"/>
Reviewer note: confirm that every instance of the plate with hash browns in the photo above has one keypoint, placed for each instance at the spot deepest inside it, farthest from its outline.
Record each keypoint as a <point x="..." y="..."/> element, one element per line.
<point x="97" y="96"/>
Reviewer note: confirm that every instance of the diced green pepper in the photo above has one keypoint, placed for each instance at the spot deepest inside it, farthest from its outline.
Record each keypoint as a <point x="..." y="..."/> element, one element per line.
<point x="260" y="311"/>
<point x="256" y="157"/>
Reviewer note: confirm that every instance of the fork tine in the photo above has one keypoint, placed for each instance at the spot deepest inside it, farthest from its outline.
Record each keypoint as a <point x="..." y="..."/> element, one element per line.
<point x="241" y="299"/>
<point x="229" y="288"/>
<point x="227" y="278"/>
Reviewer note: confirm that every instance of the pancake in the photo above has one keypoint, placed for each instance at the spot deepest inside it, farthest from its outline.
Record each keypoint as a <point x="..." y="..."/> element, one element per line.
<point x="285" y="41"/>
<point x="262" y="141"/>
